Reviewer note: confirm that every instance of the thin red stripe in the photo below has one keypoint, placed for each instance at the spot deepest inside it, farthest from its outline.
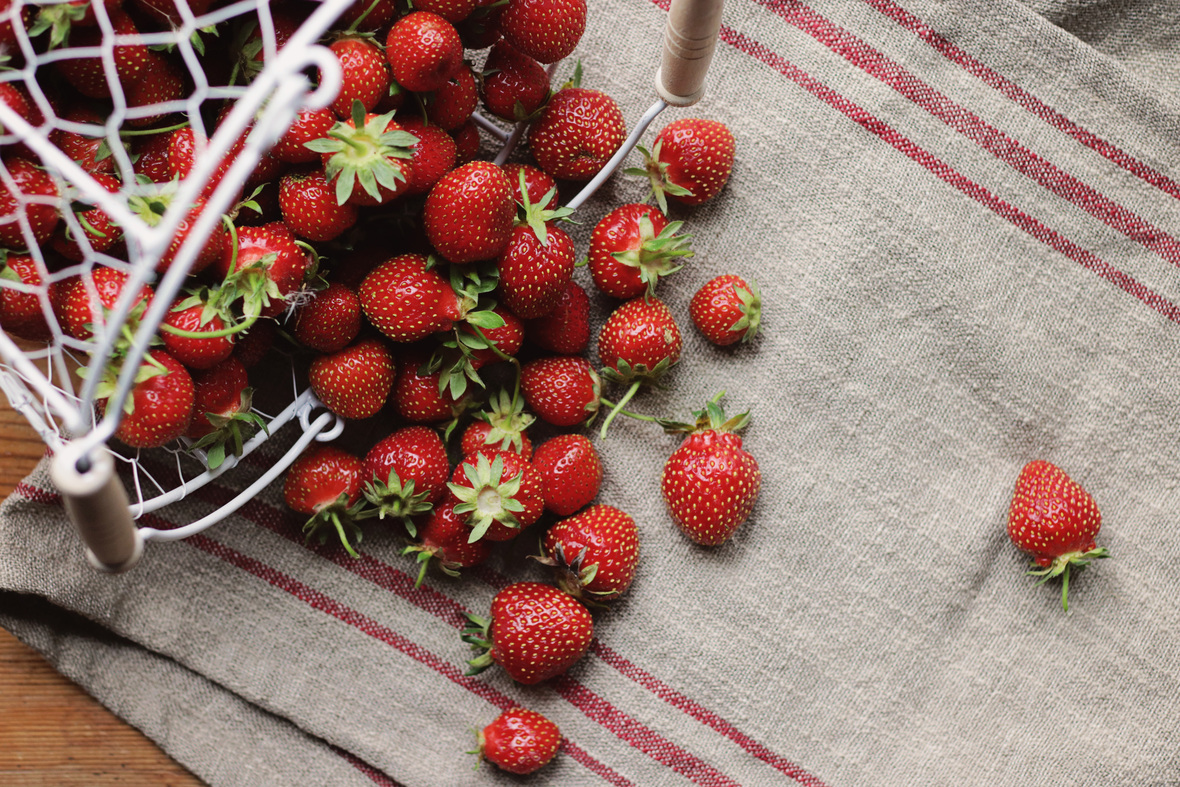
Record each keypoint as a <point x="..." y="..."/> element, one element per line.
<point x="376" y="776"/>
<point x="1025" y="99"/>
<point x="970" y="125"/>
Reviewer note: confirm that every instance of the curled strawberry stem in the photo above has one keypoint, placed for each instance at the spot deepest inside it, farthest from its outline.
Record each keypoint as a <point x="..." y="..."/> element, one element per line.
<point x="618" y="408"/>
<point x="1061" y="567"/>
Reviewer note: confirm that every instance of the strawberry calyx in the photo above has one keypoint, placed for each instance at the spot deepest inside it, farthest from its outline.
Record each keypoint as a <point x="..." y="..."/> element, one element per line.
<point x="360" y="151"/>
<point x="58" y="19"/>
<point x="751" y="310"/>
<point x="424" y="554"/>
<point x="489" y="499"/>
<point x="657" y="254"/>
<point x="337" y="517"/>
<point x="230" y="432"/>
<point x="656" y="171"/>
<point x="478" y="634"/>
<point x="535" y="215"/>
<point x="571" y="575"/>
<point x="508" y="421"/>
<point x="455" y="356"/>
<point x="711" y="418"/>
<point x="396" y="499"/>
<point x="635" y="377"/>
<point x="150" y="367"/>
<point x="1061" y="566"/>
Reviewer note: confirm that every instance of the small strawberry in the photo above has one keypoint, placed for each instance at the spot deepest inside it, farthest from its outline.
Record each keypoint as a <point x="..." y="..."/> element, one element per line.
<point x="540" y="185"/>
<point x="563" y="390"/>
<point x="407" y="299"/>
<point x="571" y="472"/>
<point x="577" y="133"/>
<point x="515" y="86"/>
<point x="499" y="492"/>
<point x="637" y="345"/>
<point x="453" y="11"/>
<point x="21" y="314"/>
<point x="502" y="426"/>
<point x="99" y="233"/>
<point x="595" y="553"/>
<point x="309" y="125"/>
<point x="519" y="741"/>
<point x="467" y="142"/>
<point x="309" y="207"/>
<point x="727" y="310"/>
<point x="32" y="196"/>
<point x="424" y="51"/>
<point x="183" y="326"/>
<point x="330" y="321"/>
<point x="493" y="342"/>
<point x="433" y="156"/>
<point x="690" y="161"/>
<point x="545" y="30"/>
<point x="468" y="214"/>
<point x="566" y="329"/>
<point x="265" y="266"/>
<point x="1055" y="520"/>
<point x="354" y="382"/>
<point x="160" y="406"/>
<point x="632" y="247"/>
<point x="186" y="145"/>
<point x="90" y="150"/>
<point x="222" y="418"/>
<point x="364" y="72"/>
<point x="325" y="484"/>
<point x="419" y="397"/>
<point x="444" y="540"/>
<point x="710" y="483"/>
<point x="150" y="100"/>
<point x="369" y="151"/>
<point x="538" y="261"/>
<point x="535" y="632"/>
<point x="152" y="202"/>
<point x="84" y="301"/>
<point x="131" y="57"/>
<point x="406" y="474"/>
<point x="451" y="105"/>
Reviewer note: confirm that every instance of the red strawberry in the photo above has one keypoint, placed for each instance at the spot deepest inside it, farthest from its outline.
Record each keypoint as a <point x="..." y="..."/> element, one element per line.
<point x="578" y="132"/>
<point x="451" y="105"/>
<point x="195" y="315"/>
<point x="727" y="310"/>
<point x="545" y="30"/>
<point x="151" y="203"/>
<point x="98" y="230"/>
<point x="325" y="484"/>
<point x="90" y="150"/>
<point x="690" y="161"/>
<point x="160" y="405"/>
<point x="562" y="390"/>
<point x="501" y="426"/>
<point x="514" y="84"/>
<point x="537" y="263"/>
<point x="32" y="195"/>
<point x="407" y="299"/>
<point x="433" y="155"/>
<point x="571" y="472"/>
<point x="451" y="10"/>
<point x="365" y="73"/>
<point x="467" y="142"/>
<point x="150" y="157"/>
<point x="255" y="344"/>
<point x="444" y="539"/>
<point x="595" y="552"/>
<point x="131" y="58"/>
<point x="309" y="125"/>
<point x="354" y="382"/>
<point x="310" y="209"/>
<point x="519" y="741"/>
<point x="84" y="300"/>
<point x="535" y="632"/>
<point x="468" y="214"/>
<point x="265" y="266"/>
<point x="710" y="482"/>
<point x="186" y="145"/>
<point x="367" y="15"/>
<point x="566" y="329"/>
<point x="222" y="419"/>
<point x="632" y="247"/>
<point x="420" y="398"/>
<point x="371" y="152"/>
<point x="21" y="314"/>
<point x="331" y="320"/>
<point x="424" y="51"/>
<point x="147" y="96"/>
<point x="406" y="473"/>
<point x="637" y="345"/>
<point x="541" y="187"/>
<point x="499" y="492"/>
<point x="1055" y="520"/>
<point x="505" y="338"/>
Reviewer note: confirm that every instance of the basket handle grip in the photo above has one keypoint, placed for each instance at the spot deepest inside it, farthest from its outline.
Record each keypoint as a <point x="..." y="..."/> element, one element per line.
<point x="97" y="504"/>
<point x="690" y="37"/>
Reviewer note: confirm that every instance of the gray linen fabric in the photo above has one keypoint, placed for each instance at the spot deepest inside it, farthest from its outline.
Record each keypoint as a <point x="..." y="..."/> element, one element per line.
<point x="962" y="220"/>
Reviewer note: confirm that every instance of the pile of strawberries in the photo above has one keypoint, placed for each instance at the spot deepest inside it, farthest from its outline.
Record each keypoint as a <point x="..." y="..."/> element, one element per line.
<point x="404" y="275"/>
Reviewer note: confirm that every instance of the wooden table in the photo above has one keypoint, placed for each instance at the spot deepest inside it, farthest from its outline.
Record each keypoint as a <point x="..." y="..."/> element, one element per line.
<point x="52" y="733"/>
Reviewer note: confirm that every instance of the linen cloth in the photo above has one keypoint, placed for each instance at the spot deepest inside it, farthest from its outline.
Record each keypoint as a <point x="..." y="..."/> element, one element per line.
<point x="961" y="214"/>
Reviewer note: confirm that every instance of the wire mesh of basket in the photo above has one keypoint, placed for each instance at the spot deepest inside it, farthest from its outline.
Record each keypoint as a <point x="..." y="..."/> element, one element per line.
<point x="77" y="211"/>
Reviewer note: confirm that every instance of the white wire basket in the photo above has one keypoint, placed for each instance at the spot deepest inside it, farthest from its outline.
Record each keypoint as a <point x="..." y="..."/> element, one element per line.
<point x="39" y="374"/>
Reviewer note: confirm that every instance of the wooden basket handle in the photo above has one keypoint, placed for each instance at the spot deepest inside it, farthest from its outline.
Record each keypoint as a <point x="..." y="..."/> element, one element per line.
<point x="690" y="37"/>
<point x="97" y="504"/>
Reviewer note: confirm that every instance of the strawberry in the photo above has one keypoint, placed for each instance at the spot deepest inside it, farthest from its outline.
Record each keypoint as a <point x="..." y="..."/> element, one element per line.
<point x="539" y="184"/>
<point x="310" y="208"/>
<point x="453" y="11"/>
<point x="160" y="405"/>
<point x="98" y="231"/>
<point x="370" y="151"/>
<point x="501" y="426"/>
<point x="407" y="299"/>
<point x="87" y="74"/>
<point x="367" y="15"/>
<point x="577" y="133"/>
<point x="21" y="314"/>
<point x="710" y="483"/>
<point x="150" y="157"/>
<point x="595" y="553"/>
<point x="365" y="73"/>
<point x="562" y="390"/>
<point x="515" y="86"/>
<point x="545" y="30"/>
<point x="690" y="161"/>
<point x="331" y="320"/>
<point x="419" y="397"/>
<point x="632" y="247"/>
<point x="325" y="484"/>
<point x="519" y="741"/>
<point x="186" y="145"/>
<point x="188" y="318"/>
<point x="406" y="474"/>
<point x="535" y="632"/>
<point x="444" y="540"/>
<point x="264" y="261"/>
<point x="90" y="150"/>
<point x="538" y="261"/>
<point x="451" y="105"/>
<point x="468" y="214"/>
<point x="308" y="126"/>
<point x="222" y="418"/>
<point x="493" y="341"/>
<point x="433" y="155"/>
<point x="1055" y="520"/>
<point x="467" y="142"/>
<point x="354" y="382"/>
<point x="100" y="290"/>
<point x="151" y="203"/>
<point x="571" y="472"/>
<point x="566" y="329"/>
<point x="499" y="492"/>
<point x="637" y="345"/>
<point x="424" y="51"/>
<point x="31" y="195"/>
<point x="726" y="310"/>
<point x="147" y="98"/>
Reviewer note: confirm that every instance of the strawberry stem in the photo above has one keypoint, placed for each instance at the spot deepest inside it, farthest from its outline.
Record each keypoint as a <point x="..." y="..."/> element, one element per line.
<point x="618" y="408"/>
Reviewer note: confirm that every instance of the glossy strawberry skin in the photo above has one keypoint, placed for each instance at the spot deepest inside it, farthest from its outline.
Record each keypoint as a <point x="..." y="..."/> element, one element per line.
<point x="475" y="438"/>
<point x="726" y="310"/>
<point x="354" y="382"/>
<point x="514" y="86"/>
<point x="444" y="535"/>
<point x="562" y="390"/>
<point x="217" y="391"/>
<point x="319" y="477"/>
<point x="710" y="484"/>
<point x="309" y="125"/>
<point x="274" y="247"/>
<point x="424" y="51"/>
<point x="31" y="183"/>
<point x="77" y="310"/>
<point x="618" y="232"/>
<point x="452" y="104"/>
<point x="601" y="539"/>
<point x="309" y="207"/>
<point x="537" y="181"/>
<point x="415" y="453"/>
<point x="434" y="155"/>
<point x="407" y="300"/>
<point x="577" y="133"/>
<point x="697" y="155"/>
<point x="546" y="30"/>
<point x="195" y="353"/>
<point x="519" y="741"/>
<point x="416" y="396"/>
<point x="331" y="320"/>
<point x="468" y="214"/>
<point x="365" y="74"/>
<point x="162" y="406"/>
<point x="538" y="632"/>
<point x="571" y="472"/>
<point x="641" y="332"/>
<point x="534" y="273"/>
<point x="21" y="314"/>
<point x="566" y="329"/>
<point x="1051" y="515"/>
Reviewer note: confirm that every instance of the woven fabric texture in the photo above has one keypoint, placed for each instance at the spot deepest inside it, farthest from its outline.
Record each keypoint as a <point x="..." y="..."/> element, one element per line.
<point x="961" y="217"/>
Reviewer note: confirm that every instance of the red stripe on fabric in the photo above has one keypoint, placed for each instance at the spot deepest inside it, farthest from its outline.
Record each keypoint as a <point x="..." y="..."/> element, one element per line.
<point x="376" y="776"/>
<point x="1025" y="99"/>
<point x="1003" y="147"/>
<point x="946" y="173"/>
<point x="36" y="494"/>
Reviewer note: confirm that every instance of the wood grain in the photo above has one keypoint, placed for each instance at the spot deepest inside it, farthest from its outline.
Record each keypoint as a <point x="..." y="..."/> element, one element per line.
<point x="52" y="733"/>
